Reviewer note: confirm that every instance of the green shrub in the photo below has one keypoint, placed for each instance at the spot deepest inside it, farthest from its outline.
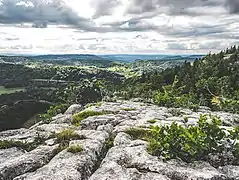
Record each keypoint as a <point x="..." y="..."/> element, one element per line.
<point x="77" y="118"/>
<point x="53" y="111"/>
<point x="190" y="143"/>
<point x="75" y="149"/>
<point x="152" y="121"/>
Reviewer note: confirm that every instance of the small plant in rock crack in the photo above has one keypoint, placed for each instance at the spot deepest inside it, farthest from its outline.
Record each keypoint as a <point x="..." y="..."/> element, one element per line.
<point x="27" y="146"/>
<point x="5" y="144"/>
<point x="128" y="109"/>
<point x="185" y="120"/>
<point x="75" y="149"/>
<point x="152" y="121"/>
<point x="67" y="135"/>
<point x="77" y="118"/>
<point x="139" y="133"/>
<point x="175" y="112"/>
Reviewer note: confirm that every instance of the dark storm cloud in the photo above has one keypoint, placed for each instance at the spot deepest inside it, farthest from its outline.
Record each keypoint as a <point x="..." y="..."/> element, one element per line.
<point x="39" y="13"/>
<point x="233" y="6"/>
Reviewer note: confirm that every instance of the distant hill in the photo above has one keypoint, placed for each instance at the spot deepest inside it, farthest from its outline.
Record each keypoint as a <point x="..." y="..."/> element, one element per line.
<point x="134" y="57"/>
<point x="90" y="59"/>
<point x="66" y="57"/>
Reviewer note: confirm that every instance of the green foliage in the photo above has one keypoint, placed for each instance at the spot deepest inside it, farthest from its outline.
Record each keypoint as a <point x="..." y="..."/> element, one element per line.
<point x="77" y="118"/>
<point x="190" y="84"/>
<point x="53" y="111"/>
<point x="175" y="112"/>
<point x="5" y="144"/>
<point x="28" y="146"/>
<point x="99" y="104"/>
<point x="189" y="143"/>
<point x="152" y="121"/>
<point x="169" y="99"/>
<point x="109" y="143"/>
<point x="75" y="149"/>
<point x="64" y="137"/>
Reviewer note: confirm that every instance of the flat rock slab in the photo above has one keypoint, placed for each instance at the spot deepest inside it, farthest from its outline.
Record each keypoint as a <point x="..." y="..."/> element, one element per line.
<point x="26" y="162"/>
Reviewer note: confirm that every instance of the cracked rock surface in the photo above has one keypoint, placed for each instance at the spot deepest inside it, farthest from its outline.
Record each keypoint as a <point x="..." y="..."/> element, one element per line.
<point x="107" y="153"/>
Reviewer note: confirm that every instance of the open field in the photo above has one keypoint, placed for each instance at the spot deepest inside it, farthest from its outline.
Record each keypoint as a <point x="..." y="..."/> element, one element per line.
<point x="4" y="90"/>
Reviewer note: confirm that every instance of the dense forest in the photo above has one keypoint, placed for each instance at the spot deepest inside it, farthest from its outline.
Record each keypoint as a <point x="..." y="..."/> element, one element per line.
<point x="42" y="86"/>
<point x="210" y="81"/>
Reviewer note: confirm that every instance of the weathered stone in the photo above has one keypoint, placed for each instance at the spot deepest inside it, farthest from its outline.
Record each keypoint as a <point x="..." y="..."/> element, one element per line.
<point x="75" y="108"/>
<point x="6" y="154"/>
<point x="27" y="162"/>
<point x="122" y="139"/>
<point x="107" y="128"/>
<point x="232" y="172"/>
<point x="72" y="166"/>
<point x="62" y="118"/>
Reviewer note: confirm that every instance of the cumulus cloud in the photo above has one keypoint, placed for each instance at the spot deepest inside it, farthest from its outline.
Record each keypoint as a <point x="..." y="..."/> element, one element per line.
<point x="118" y="26"/>
<point x="39" y="13"/>
<point x="176" y="46"/>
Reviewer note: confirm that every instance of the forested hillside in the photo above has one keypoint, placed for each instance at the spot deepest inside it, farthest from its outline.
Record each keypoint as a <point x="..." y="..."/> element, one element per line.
<point x="211" y="81"/>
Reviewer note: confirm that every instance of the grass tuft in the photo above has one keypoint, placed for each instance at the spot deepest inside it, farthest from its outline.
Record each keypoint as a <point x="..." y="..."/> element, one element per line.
<point x="77" y="118"/>
<point x="67" y="135"/>
<point x="128" y="109"/>
<point x="75" y="149"/>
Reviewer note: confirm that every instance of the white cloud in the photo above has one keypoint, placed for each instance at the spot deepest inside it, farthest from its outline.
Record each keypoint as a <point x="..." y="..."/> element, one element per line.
<point x="111" y="26"/>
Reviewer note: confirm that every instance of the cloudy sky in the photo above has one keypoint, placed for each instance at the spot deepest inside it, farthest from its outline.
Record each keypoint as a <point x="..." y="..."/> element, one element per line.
<point x="118" y="26"/>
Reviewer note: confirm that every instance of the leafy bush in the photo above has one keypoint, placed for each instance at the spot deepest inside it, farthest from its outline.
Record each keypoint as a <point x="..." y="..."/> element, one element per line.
<point x="77" y="118"/>
<point x="190" y="143"/>
<point x="53" y="111"/>
<point x="75" y="149"/>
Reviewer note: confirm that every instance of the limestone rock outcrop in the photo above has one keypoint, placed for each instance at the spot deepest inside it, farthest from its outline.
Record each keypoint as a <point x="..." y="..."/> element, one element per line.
<point x="107" y="151"/>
